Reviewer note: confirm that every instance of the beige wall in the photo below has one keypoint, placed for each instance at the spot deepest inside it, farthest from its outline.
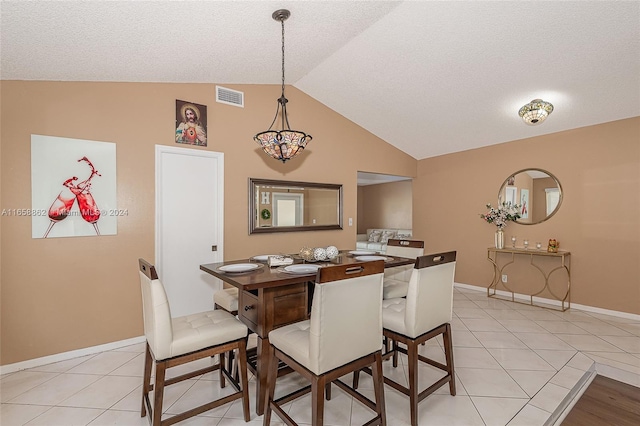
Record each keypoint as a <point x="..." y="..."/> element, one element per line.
<point x="63" y="294"/>
<point x="321" y="206"/>
<point x="598" y="221"/>
<point x="386" y="205"/>
<point x="361" y="222"/>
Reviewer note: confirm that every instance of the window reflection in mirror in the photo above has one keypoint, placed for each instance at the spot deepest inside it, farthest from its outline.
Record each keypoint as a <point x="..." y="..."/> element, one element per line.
<point x="284" y="206"/>
<point x="536" y="191"/>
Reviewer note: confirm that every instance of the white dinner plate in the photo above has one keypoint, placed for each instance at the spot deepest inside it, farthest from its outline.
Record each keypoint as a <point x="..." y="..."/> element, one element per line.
<point x="301" y="269"/>
<point x="263" y="257"/>
<point x="361" y="252"/>
<point x="370" y="258"/>
<point x="240" y="267"/>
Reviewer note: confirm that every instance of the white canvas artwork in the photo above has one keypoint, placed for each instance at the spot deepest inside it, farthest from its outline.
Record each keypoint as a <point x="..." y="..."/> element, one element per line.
<point x="524" y="203"/>
<point x="73" y="188"/>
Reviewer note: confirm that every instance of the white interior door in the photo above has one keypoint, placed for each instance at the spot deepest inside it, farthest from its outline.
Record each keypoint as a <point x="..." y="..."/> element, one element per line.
<point x="288" y="209"/>
<point x="189" y="221"/>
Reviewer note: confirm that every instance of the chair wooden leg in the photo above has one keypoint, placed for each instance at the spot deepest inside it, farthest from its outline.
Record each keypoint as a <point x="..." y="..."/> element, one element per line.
<point x="412" y="352"/>
<point x="388" y="344"/>
<point x="233" y="365"/>
<point x="222" y="360"/>
<point x="272" y="375"/>
<point x="158" y="392"/>
<point x="378" y="387"/>
<point x="244" y="379"/>
<point x="146" y="382"/>
<point x="317" y="400"/>
<point x="448" y="353"/>
<point x="395" y="354"/>
<point x="356" y="379"/>
<point x="327" y="391"/>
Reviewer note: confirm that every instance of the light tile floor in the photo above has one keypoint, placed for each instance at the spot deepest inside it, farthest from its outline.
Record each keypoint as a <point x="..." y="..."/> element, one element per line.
<point x="514" y="363"/>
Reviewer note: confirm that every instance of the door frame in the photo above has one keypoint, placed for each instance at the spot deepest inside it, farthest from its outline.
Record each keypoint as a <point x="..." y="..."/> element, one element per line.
<point x="299" y="208"/>
<point x="160" y="152"/>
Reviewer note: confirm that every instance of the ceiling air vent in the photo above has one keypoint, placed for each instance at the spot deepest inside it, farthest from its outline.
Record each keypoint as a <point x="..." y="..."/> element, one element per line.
<point x="229" y="97"/>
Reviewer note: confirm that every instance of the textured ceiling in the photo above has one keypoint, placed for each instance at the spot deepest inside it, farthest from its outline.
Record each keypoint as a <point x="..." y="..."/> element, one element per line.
<point x="430" y="77"/>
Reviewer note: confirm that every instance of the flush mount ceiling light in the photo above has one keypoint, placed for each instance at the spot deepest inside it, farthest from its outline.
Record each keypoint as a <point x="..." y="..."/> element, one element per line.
<point x="282" y="144"/>
<point x="535" y="112"/>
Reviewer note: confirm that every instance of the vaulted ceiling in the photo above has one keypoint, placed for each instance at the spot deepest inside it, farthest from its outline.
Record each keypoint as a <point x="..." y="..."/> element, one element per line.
<point x="429" y="77"/>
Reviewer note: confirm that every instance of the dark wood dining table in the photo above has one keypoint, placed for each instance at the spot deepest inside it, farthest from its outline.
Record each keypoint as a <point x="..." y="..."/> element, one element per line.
<point x="270" y="297"/>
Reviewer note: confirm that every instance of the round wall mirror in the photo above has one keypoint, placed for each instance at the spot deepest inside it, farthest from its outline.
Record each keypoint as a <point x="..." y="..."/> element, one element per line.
<point x="537" y="193"/>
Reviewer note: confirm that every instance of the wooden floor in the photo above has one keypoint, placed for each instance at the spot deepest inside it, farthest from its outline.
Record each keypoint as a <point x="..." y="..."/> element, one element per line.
<point x="606" y="402"/>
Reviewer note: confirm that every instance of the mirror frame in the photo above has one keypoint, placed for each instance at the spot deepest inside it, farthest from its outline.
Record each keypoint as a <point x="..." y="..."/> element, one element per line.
<point x="254" y="227"/>
<point x="551" y="175"/>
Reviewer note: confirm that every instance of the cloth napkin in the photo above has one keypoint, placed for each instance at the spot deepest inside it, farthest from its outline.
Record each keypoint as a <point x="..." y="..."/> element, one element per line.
<point x="279" y="260"/>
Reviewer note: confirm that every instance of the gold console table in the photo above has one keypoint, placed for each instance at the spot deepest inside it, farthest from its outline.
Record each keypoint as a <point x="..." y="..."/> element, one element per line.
<point x="564" y="256"/>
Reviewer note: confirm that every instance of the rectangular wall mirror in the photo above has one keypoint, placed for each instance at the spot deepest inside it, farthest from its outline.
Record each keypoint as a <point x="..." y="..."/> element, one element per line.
<point x="284" y="206"/>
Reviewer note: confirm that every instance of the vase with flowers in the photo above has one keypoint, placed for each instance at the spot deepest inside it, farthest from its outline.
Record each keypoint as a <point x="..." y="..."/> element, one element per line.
<point x="499" y="216"/>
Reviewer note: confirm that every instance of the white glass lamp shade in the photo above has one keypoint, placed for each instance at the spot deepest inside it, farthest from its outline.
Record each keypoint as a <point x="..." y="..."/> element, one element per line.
<point x="535" y="112"/>
<point x="282" y="145"/>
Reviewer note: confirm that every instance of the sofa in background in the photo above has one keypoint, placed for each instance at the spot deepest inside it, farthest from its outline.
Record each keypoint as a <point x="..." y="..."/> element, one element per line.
<point x="376" y="238"/>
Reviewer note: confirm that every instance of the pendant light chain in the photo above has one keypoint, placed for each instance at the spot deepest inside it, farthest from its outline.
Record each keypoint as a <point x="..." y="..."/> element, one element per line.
<point x="283" y="144"/>
<point x="283" y="100"/>
<point x="282" y="22"/>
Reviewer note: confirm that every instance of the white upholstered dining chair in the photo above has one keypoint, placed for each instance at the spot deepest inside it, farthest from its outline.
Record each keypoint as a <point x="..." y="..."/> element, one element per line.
<point x="396" y="279"/>
<point x="176" y="341"/>
<point x="337" y="339"/>
<point x="425" y="313"/>
<point x="227" y="299"/>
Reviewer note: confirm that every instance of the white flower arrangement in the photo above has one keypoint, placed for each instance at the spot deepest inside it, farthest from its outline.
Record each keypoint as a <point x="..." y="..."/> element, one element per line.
<point x="504" y="213"/>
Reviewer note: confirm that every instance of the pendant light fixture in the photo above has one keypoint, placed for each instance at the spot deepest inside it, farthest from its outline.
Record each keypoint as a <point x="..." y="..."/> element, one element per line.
<point x="282" y="144"/>
<point x="535" y="112"/>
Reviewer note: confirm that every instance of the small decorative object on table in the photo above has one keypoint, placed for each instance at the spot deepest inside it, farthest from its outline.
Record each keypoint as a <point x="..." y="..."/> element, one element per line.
<point x="553" y="246"/>
<point x="538" y="246"/>
<point x="332" y="252"/>
<point x="306" y="253"/>
<point x="499" y="238"/>
<point x="525" y="243"/>
<point x="513" y="241"/>
<point x="279" y="260"/>
<point x="319" y="253"/>
<point x="500" y="216"/>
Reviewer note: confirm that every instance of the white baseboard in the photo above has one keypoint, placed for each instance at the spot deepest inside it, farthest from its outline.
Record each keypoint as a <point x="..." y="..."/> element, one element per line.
<point x="552" y="302"/>
<point x="37" y="362"/>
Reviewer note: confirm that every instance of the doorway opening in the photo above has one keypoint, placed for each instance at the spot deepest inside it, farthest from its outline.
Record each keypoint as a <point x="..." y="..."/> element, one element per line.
<point x="384" y="201"/>
<point x="288" y="209"/>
